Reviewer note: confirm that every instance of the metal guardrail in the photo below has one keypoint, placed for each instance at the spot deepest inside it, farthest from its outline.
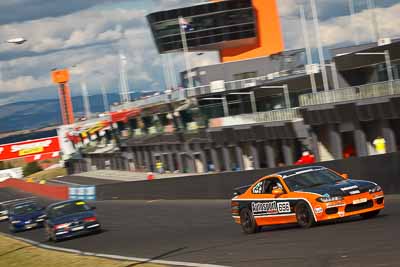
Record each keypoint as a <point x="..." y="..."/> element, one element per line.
<point x="184" y="93"/>
<point x="259" y="117"/>
<point x="177" y="95"/>
<point x="351" y="93"/>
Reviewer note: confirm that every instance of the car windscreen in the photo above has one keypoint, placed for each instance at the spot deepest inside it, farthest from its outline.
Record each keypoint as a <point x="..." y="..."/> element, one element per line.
<point x="311" y="178"/>
<point x="24" y="208"/>
<point x="68" y="208"/>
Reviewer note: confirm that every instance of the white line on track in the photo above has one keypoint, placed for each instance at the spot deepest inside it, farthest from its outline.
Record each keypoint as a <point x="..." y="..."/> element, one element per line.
<point x="111" y="256"/>
<point x="16" y="200"/>
<point x="63" y="182"/>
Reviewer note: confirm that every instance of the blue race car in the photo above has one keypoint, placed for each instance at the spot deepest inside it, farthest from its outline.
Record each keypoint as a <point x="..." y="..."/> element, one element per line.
<point x="25" y="215"/>
<point x="69" y="219"/>
<point x="3" y="213"/>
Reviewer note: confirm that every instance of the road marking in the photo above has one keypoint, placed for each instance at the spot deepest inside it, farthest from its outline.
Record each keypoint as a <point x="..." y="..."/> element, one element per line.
<point x="16" y="200"/>
<point x="154" y="200"/>
<point x="111" y="256"/>
<point x="63" y="182"/>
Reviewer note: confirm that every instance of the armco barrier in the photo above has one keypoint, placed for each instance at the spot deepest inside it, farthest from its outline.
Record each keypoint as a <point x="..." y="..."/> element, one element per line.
<point x="383" y="169"/>
<point x="44" y="190"/>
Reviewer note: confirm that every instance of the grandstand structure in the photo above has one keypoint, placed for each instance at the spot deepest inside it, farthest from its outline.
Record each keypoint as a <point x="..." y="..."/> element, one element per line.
<point x="256" y="108"/>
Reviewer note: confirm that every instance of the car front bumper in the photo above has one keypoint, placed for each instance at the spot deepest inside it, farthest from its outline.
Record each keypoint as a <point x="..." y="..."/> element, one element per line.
<point x="349" y="206"/>
<point x="77" y="231"/>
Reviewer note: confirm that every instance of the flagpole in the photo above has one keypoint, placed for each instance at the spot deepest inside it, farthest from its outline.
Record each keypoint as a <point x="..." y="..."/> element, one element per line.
<point x="185" y="53"/>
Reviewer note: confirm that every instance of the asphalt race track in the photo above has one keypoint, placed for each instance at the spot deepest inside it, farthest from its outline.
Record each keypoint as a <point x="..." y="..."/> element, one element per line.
<point x="202" y="231"/>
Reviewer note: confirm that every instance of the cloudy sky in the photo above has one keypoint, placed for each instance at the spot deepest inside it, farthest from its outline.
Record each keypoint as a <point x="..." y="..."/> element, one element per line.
<point x="88" y="34"/>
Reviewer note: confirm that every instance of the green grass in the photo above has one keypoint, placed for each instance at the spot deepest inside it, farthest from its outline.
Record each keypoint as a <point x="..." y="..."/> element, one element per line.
<point x="48" y="174"/>
<point x="17" y="253"/>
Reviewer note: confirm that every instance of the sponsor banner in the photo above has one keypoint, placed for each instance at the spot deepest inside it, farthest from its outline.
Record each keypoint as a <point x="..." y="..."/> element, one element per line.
<point x="82" y="192"/>
<point x="29" y="148"/>
<point x="270" y="208"/>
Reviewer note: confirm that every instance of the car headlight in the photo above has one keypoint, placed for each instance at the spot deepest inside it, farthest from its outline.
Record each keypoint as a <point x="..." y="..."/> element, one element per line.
<point x="61" y="226"/>
<point x="15" y="221"/>
<point x="377" y="188"/>
<point x="329" y="199"/>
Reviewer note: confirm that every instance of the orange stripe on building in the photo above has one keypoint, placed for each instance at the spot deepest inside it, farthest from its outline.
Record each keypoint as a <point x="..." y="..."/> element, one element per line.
<point x="270" y="38"/>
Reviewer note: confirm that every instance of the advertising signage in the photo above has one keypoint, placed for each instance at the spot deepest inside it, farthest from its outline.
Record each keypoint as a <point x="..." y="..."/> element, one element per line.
<point x="29" y="148"/>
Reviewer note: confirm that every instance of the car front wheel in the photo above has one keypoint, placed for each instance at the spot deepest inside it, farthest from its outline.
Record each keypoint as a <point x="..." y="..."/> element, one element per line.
<point x="304" y="215"/>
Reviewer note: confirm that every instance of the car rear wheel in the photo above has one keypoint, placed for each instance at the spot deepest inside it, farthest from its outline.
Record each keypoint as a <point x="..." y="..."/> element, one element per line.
<point x="248" y="222"/>
<point x="370" y="214"/>
<point x="304" y="215"/>
<point x="12" y="229"/>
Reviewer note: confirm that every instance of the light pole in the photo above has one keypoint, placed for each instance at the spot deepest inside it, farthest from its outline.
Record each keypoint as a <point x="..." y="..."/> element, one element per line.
<point x="252" y="99"/>
<point x="224" y="103"/>
<point x="388" y="62"/>
<point x="308" y="48"/>
<point x="183" y="24"/>
<point x="319" y="45"/>
<point x="352" y="21"/>
<point x="285" y="89"/>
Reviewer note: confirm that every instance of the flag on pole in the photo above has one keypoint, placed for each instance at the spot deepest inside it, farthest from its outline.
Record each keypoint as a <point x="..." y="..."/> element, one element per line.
<point x="184" y="24"/>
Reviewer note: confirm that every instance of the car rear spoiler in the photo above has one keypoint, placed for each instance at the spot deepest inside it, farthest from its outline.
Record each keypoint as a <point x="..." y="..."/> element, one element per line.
<point x="240" y="190"/>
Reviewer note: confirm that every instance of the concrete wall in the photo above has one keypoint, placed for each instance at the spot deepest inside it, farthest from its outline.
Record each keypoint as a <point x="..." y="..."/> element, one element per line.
<point x="382" y="169"/>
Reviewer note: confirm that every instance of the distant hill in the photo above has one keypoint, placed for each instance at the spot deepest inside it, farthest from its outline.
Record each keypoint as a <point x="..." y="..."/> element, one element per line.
<point x="41" y="113"/>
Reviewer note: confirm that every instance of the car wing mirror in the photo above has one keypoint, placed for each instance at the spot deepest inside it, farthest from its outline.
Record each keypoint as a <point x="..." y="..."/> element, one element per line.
<point x="345" y="176"/>
<point x="277" y="192"/>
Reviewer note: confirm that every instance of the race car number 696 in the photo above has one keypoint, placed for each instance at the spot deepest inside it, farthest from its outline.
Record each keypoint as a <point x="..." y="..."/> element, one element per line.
<point x="283" y="207"/>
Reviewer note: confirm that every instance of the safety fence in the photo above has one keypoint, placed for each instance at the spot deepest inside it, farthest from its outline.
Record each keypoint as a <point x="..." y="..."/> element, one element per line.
<point x="352" y="93"/>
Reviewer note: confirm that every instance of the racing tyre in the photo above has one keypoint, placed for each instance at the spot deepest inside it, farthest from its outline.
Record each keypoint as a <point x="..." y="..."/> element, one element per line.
<point x="12" y="229"/>
<point x="304" y="215"/>
<point x="370" y="214"/>
<point x="248" y="222"/>
<point x="50" y="236"/>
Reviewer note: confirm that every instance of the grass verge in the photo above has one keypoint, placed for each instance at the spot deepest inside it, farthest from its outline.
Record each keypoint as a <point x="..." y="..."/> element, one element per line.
<point x="48" y="174"/>
<point x="17" y="253"/>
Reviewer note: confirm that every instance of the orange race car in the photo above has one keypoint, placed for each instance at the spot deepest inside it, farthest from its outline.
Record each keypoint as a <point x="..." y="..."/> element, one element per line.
<point x="304" y="196"/>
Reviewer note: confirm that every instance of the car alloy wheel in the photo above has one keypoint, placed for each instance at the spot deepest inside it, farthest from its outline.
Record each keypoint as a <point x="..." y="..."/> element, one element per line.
<point x="248" y="222"/>
<point x="304" y="215"/>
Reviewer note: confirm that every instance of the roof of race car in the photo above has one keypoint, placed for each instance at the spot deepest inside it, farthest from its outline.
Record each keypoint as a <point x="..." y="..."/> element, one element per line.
<point x="288" y="173"/>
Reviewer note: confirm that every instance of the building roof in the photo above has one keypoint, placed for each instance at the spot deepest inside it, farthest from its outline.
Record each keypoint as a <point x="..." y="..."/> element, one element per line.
<point x="347" y="58"/>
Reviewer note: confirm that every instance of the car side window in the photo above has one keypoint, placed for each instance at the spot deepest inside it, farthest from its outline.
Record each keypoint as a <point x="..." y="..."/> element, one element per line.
<point x="272" y="184"/>
<point x="258" y="188"/>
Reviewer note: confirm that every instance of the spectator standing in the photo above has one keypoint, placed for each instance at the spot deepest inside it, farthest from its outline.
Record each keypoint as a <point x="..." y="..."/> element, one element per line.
<point x="306" y="158"/>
